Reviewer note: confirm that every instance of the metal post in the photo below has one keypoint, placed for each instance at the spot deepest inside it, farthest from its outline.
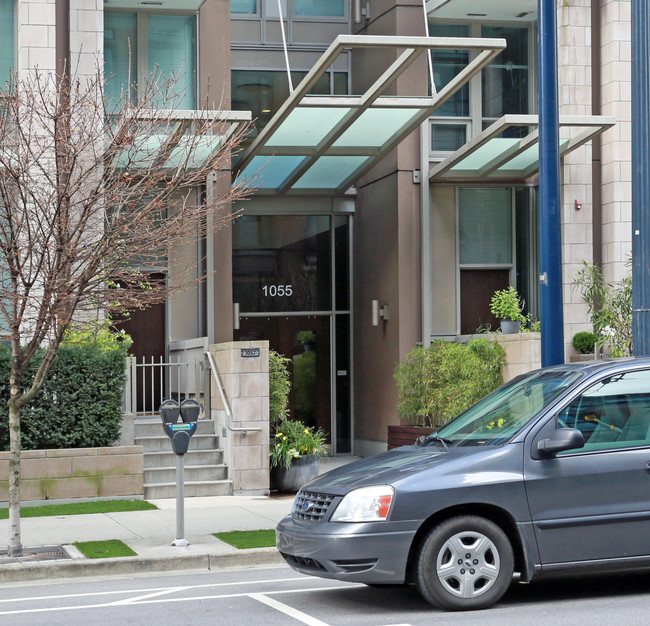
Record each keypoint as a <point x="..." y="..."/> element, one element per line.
<point x="180" y="502"/>
<point x="550" y="230"/>
<point x="640" y="178"/>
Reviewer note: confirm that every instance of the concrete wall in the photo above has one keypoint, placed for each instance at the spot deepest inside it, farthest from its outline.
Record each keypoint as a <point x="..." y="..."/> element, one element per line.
<point x="246" y="385"/>
<point x="109" y="472"/>
<point x="386" y="241"/>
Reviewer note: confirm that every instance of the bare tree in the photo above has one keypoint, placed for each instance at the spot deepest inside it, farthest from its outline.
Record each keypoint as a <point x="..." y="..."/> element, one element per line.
<point x="93" y="197"/>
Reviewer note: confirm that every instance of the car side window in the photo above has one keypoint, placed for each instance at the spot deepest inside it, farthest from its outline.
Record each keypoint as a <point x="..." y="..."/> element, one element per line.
<point x="613" y="413"/>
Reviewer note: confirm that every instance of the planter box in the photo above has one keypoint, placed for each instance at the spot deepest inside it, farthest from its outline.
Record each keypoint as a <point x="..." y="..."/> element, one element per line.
<point x="406" y="435"/>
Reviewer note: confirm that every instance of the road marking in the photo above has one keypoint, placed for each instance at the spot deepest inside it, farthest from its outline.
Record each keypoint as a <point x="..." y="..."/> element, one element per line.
<point x="288" y="610"/>
<point x="91" y="594"/>
<point x="187" y="599"/>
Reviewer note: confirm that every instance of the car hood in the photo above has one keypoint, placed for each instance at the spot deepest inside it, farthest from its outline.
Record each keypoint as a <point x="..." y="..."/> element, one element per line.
<point x="386" y="468"/>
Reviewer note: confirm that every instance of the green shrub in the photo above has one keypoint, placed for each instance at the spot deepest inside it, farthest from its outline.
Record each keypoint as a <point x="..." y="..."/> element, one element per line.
<point x="584" y="342"/>
<point x="279" y="388"/>
<point x="441" y="381"/>
<point x="80" y="404"/>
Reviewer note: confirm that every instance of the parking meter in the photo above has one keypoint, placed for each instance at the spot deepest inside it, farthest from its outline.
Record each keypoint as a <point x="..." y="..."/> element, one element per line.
<point x="180" y="431"/>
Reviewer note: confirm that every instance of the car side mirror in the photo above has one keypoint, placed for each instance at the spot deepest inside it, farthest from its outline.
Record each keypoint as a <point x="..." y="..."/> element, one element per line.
<point x="562" y="439"/>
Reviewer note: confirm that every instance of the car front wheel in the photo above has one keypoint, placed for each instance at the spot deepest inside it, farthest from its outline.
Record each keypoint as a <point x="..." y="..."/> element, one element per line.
<point x="464" y="563"/>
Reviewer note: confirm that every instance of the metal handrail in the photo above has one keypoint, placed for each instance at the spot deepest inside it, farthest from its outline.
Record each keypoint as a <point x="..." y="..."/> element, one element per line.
<point x="222" y="393"/>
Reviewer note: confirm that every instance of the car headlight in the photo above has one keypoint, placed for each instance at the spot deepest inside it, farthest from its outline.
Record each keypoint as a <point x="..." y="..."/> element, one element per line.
<point x="367" y="504"/>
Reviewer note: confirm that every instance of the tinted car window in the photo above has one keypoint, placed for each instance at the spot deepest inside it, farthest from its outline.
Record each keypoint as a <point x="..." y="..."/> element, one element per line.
<point x="613" y="413"/>
<point x="497" y="417"/>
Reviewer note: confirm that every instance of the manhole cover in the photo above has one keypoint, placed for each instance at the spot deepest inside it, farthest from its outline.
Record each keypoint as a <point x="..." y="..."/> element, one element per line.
<point x="45" y="553"/>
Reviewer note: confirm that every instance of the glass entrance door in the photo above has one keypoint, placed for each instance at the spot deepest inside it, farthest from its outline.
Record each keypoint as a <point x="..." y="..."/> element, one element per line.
<point x="291" y="283"/>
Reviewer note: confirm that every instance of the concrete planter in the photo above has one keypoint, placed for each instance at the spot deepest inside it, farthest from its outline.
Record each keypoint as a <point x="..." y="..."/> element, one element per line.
<point x="300" y="472"/>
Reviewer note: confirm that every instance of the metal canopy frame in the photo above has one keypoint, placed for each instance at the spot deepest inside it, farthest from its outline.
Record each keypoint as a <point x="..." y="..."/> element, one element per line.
<point x="489" y="157"/>
<point x="323" y="144"/>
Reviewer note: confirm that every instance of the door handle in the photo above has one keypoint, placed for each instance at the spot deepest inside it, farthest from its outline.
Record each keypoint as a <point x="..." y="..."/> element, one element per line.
<point x="646" y="467"/>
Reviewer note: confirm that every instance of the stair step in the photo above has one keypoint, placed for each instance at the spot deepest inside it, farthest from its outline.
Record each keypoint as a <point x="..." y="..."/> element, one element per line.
<point x="191" y="489"/>
<point x="162" y="475"/>
<point x="193" y="458"/>
<point x="161" y="443"/>
<point x="151" y="427"/>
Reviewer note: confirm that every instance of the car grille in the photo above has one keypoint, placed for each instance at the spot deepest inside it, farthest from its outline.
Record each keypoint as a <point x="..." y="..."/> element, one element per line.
<point x="311" y="506"/>
<point x="303" y="563"/>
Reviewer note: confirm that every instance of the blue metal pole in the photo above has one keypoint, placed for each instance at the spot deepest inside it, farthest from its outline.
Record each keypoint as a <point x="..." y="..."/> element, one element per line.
<point x="640" y="178"/>
<point x="550" y="230"/>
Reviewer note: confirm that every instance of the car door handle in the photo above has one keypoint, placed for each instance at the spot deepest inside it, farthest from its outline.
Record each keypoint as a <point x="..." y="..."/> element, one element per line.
<point x="646" y="467"/>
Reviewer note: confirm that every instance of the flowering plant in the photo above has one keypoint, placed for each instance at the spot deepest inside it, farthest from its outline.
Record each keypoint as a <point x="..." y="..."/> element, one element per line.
<point x="610" y="307"/>
<point x="293" y="440"/>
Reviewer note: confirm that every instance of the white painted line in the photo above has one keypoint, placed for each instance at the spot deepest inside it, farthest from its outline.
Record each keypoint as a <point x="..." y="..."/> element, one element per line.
<point x="91" y="594"/>
<point x="188" y="599"/>
<point x="288" y="610"/>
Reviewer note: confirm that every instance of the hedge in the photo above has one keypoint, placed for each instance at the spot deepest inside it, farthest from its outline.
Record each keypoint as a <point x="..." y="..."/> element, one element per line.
<point x="80" y="404"/>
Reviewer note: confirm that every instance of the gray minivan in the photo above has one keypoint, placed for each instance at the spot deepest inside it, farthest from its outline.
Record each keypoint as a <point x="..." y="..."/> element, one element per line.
<point x="548" y="475"/>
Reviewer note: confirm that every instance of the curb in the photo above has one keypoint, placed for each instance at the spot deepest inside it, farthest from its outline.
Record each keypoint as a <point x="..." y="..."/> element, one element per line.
<point x="24" y="572"/>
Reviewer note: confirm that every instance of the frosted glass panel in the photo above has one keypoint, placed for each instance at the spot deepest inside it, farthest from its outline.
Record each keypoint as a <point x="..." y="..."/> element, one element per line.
<point x="120" y="53"/>
<point x="172" y="53"/>
<point x="485" y="226"/>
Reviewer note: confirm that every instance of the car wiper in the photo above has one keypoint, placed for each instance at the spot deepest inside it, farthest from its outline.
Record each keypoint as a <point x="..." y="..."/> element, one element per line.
<point x="443" y="441"/>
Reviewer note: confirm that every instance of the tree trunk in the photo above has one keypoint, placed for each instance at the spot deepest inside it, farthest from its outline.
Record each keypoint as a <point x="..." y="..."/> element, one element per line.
<point x="15" y="547"/>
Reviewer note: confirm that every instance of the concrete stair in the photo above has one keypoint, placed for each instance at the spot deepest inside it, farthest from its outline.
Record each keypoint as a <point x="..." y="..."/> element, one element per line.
<point x="205" y="472"/>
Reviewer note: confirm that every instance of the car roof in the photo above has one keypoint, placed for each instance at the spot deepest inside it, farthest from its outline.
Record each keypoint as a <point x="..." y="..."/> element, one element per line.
<point x="601" y="365"/>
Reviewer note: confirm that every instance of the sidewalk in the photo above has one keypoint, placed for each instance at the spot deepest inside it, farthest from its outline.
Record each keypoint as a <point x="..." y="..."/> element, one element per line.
<point x="150" y="534"/>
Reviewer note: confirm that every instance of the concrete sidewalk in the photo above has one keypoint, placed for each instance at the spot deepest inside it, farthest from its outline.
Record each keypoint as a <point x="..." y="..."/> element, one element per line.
<point x="150" y="535"/>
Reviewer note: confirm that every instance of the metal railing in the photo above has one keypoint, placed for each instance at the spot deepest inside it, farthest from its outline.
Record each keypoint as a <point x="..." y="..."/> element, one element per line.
<point x="151" y="381"/>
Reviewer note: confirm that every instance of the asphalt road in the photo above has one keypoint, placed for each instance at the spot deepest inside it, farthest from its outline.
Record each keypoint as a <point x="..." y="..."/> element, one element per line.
<point x="279" y="596"/>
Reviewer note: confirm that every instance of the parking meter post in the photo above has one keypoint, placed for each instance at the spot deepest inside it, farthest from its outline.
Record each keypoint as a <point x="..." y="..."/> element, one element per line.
<point x="180" y="540"/>
<point x="179" y="423"/>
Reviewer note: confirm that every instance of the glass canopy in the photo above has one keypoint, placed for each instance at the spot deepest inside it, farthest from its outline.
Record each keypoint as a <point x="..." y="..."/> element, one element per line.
<point x="493" y="156"/>
<point x="323" y="144"/>
<point x="171" y="139"/>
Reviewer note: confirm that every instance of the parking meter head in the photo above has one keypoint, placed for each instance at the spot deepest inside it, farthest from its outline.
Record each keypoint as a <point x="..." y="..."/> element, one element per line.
<point x="169" y="411"/>
<point x="190" y="410"/>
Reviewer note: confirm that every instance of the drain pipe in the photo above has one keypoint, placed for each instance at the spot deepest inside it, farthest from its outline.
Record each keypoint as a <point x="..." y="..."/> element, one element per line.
<point x="596" y="142"/>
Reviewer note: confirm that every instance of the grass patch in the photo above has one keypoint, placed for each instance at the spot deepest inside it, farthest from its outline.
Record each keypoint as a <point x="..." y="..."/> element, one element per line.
<point x="243" y="539"/>
<point x="104" y="549"/>
<point x="82" y="508"/>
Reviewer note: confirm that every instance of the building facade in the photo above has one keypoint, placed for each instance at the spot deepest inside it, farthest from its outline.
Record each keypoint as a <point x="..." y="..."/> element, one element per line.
<point x="346" y="281"/>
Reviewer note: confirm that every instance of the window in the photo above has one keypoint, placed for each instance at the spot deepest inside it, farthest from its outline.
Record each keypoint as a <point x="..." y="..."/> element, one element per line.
<point x="307" y="8"/>
<point x="263" y="91"/>
<point x="502" y="88"/>
<point x="485" y="226"/>
<point x="613" y="413"/>
<point x="7" y="62"/>
<point x="243" y="6"/>
<point x="168" y="51"/>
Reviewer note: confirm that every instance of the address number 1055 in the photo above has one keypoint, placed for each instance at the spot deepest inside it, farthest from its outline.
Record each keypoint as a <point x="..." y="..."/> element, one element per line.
<point x="277" y="290"/>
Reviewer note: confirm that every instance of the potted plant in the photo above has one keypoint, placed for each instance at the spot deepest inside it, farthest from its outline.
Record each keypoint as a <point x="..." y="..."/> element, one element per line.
<point x="584" y="343"/>
<point x="441" y="381"/>
<point x="507" y="306"/>
<point x="294" y="455"/>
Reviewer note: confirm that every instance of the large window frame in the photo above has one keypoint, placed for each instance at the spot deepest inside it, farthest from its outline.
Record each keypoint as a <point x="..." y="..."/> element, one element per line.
<point x="140" y="67"/>
<point x="475" y="121"/>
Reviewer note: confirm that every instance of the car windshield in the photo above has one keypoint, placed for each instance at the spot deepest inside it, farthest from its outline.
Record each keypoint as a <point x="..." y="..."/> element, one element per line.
<point x="499" y="416"/>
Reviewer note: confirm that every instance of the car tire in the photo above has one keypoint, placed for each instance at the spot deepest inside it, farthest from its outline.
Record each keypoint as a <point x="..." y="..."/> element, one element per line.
<point x="464" y="563"/>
